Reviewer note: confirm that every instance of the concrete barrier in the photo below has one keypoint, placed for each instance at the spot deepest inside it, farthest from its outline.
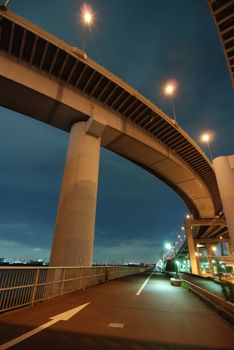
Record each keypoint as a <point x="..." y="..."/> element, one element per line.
<point x="223" y="307"/>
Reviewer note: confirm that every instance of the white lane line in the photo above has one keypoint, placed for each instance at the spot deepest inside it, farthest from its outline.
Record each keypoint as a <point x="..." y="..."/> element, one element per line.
<point x="143" y="285"/>
<point x="116" y="325"/>
<point x="61" y="317"/>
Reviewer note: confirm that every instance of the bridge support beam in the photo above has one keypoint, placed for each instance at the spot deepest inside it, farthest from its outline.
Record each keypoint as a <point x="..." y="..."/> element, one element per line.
<point x="194" y="260"/>
<point x="75" y="222"/>
<point x="229" y="249"/>
<point x="224" y="171"/>
<point x="210" y="256"/>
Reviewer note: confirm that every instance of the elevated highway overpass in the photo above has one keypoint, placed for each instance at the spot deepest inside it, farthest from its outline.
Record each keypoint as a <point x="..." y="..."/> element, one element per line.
<point x="44" y="78"/>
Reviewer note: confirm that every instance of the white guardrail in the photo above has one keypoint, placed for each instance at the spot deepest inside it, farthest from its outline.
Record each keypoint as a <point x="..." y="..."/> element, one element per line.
<point x="21" y="286"/>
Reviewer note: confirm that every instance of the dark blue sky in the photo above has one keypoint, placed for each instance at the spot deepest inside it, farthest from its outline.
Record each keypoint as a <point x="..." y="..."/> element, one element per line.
<point x="145" y="43"/>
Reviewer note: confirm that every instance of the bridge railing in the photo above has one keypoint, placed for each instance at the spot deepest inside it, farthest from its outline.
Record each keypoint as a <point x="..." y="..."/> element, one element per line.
<point x="20" y="286"/>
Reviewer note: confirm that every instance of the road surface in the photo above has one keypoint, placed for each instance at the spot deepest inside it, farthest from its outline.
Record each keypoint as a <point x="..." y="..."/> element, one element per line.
<point x="131" y="313"/>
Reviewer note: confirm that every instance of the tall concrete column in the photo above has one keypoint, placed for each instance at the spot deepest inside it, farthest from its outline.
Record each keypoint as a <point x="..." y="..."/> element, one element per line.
<point x="195" y="266"/>
<point x="229" y="249"/>
<point x="210" y="256"/>
<point x="224" y="171"/>
<point x="75" y="222"/>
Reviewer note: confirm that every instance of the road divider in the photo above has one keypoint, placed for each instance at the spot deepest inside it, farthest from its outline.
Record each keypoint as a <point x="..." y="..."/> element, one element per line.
<point x="223" y="307"/>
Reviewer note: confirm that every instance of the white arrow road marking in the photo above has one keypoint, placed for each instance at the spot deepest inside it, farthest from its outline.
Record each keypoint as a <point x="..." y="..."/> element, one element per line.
<point x="143" y="285"/>
<point x="61" y="317"/>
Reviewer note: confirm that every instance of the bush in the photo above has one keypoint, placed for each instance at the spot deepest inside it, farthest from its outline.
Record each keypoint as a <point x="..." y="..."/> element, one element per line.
<point x="228" y="290"/>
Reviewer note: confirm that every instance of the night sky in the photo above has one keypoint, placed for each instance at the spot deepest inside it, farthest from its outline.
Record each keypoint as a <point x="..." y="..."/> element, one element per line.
<point x="145" y="43"/>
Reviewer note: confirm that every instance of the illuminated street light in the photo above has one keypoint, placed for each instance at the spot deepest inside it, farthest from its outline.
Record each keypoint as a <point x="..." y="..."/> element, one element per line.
<point x="168" y="246"/>
<point x="206" y="138"/>
<point x="169" y="90"/>
<point x="87" y="18"/>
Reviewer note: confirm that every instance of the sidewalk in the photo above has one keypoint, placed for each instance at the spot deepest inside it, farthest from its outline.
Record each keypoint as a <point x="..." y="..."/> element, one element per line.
<point x="161" y="317"/>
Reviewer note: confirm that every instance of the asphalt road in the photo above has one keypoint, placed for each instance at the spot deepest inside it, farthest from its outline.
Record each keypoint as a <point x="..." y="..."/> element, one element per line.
<point x="121" y="314"/>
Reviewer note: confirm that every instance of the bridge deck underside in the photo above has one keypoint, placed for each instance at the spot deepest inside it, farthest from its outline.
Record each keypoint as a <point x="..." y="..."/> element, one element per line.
<point x="31" y="46"/>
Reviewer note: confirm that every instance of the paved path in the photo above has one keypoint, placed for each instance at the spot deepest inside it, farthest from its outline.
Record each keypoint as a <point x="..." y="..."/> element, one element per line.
<point x="159" y="317"/>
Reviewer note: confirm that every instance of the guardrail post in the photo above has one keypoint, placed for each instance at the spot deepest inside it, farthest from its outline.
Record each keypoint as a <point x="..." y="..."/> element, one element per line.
<point x="81" y="274"/>
<point x="63" y="280"/>
<point x="35" y="287"/>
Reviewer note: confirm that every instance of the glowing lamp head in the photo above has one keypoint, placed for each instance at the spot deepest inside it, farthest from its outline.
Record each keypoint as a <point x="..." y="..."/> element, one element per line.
<point x="168" y="246"/>
<point x="214" y="249"/>
<point x="170" y="88"/>
<point x="87" y="15"/>
<point x="205" y="138"/>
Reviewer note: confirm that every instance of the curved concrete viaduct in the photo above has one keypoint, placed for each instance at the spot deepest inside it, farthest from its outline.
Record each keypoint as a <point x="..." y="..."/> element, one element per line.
<point x="47" y="79"/>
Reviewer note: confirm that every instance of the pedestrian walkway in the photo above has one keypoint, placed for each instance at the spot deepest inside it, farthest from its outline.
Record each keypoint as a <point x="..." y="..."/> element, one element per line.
<point x="128" y="313"/>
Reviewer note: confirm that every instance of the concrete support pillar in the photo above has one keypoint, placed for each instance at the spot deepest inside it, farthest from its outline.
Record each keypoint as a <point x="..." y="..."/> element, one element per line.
<point x="194" y="260"/>
<point x="210" y="255"/>
<point x="229" y="249"/>
<point x="75" y="222"/>
<point x="224" y="171"/>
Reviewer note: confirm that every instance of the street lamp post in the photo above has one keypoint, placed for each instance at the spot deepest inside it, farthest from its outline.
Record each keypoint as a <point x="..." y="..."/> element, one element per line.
<point x="205" y="138"/>
<point x="169" y="90"/>
<point x="87" y="18"/>
<point x="169" y="246"/>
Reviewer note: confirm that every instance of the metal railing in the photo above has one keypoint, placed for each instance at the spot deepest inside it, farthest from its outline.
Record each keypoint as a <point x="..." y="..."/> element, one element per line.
<point x="20" y="286"/>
